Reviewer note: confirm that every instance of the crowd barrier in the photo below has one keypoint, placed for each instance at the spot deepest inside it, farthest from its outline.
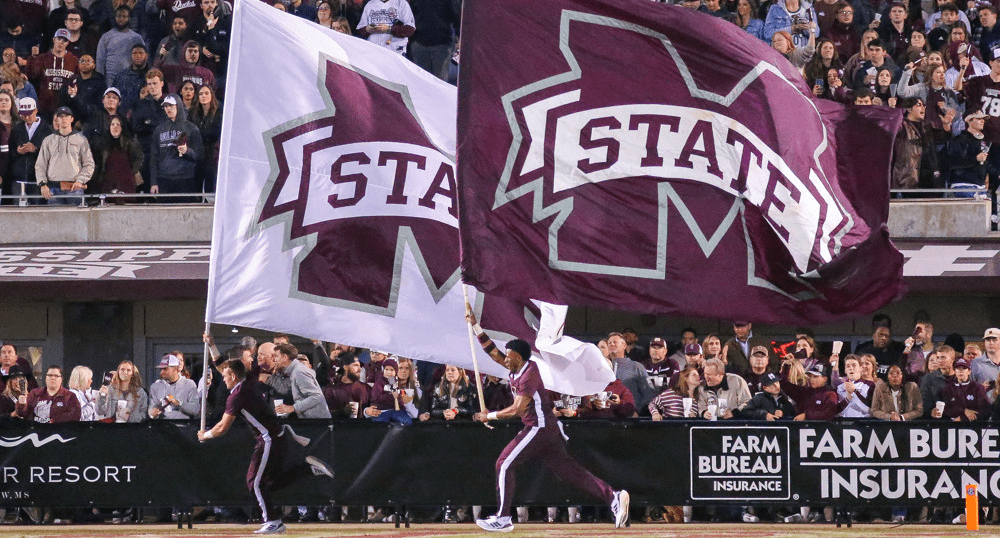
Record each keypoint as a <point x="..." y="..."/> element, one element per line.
<point x="700" y="463"/>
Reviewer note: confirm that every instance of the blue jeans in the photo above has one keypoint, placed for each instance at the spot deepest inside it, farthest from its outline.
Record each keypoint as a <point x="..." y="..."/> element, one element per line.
<point x="56" y="191"/>
<point x="399" y="417"/>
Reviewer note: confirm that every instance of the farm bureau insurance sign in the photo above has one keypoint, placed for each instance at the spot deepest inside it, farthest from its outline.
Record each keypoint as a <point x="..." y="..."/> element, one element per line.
<point x="739" y="463"/>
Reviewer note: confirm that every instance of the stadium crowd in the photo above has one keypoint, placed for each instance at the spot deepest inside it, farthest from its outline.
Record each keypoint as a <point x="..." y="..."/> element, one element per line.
<point x="744" y="377"/>
<point x="141" y="81"/>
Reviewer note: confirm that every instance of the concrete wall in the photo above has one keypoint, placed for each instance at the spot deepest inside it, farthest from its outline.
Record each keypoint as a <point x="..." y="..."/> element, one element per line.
<point x="939" y="218"/>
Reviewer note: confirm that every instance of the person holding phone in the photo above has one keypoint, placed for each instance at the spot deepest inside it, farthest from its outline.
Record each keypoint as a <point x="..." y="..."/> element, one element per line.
<point x="795" y="17"/>
<point x="17" y="386"/>
<point x="826" y="58"/>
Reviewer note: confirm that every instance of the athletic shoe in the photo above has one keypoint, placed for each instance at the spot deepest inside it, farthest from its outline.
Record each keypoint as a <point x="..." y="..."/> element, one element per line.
<point x="495" y="524"/>
<point x="319" y="467"/>
<point x="619" y="508"/>
<point x="271" y="527"/>
<point x="900" y="519"/>
<point x="794" y="518"/>
<point x="959" y="519"/>
<point x="304" y="441"/>
<point x="750" y="518"/>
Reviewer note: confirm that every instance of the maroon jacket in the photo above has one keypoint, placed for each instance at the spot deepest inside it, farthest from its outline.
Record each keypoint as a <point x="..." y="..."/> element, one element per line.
<point x="62" y="407"/>
<point x="958" y="397"/>
<point x="817" y="404"/>
<point x="338" y="394"/>
<point x="624" y="410"/>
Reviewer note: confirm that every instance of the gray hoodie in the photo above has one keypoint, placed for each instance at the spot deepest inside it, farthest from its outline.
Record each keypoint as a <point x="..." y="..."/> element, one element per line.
<point x="165" y="164"/>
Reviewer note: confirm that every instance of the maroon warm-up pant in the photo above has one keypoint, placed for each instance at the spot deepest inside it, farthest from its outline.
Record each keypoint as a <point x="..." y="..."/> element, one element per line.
<point x="268" y="473"/>
<point x="547" y="445"/>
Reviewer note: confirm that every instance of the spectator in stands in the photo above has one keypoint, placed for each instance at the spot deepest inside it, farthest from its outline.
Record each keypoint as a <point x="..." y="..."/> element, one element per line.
<point x="894" y="31"/>
<point x="931" y="75"/>
<point x="206" y="115"/>
<point x="728" y="392"/>
<point x="867" y="71"/>
<point x="175" y="153"/>
<point x="410" y="394"/>
<point x="854" y="394"/>
<point x="347" y="395"/>
<point x="917" y="346"/>
<point x="148" y="114"/>
<point x="187" y="93"/>
<point x="297" y="8"/>
<point x="614" y="402"/>
<point x="794" y="17"/>
<point x="972" y="352"/>
<point x="967" y="157"/>
<point x="711" y="348"/>
<point x="342" y="25"/>
<point x="189" y="10"/>
<point x="989" y="37"/>
<point x="964" y="400"/>
<point x="843" y="33"/>
<point x="65" y="163"/>
<point x="963" y="64"/>
<point x="688" y="336"/>
<point x="10" y="72"/>
<point x="132" y="81"/>
<point x="84" y="93"/>
<point x="821" y="64"/>
<point x="16" y="386"/>
<point x="324" y="15"/>
<point x="897" y="400"/>
<point x="934" y="381"/>
<point x="660" y="368"/>
<point x="918" y="47"/>
<point x="815" y="401"/>
<point x="80" y="381"/>
<point x="50" y="404"/>
<point x="119" y="160"/>
<point x="373" y="366"/>
<point x="758" y="369"/>
<point x="986" y="367"/>
<point x="115" y="47"/>
<point x="387" y="23"/>
<point x="883" y="88"/>
<point x="915" y="163"/>
<point x="124" y="399"/>
<point x="630" y="373"/>
<point x="188" y="69"/>
<point x="781" y="41"/>
<point x="25" y="140"/>
<point x="632" y="348"/>
<point x="695" y="357"/>
<point x="436" y="23"/>
<point x="885" y="350"/>
<point x="715" y="9"/>
<point x="307" y="397"/>
<point x="826" y="14"/>
<point x="99" y="121"/>
<point x="9" y="359"/>
<point x="51" y="70"/>
<point x="804" y="354"/>
<point x="8" y="117"/>
<point x="173" y="396"/>
<point x="82" y="40"/>
<point x="947" y="18"/>
<point x="497" y="394"/>
<point x="770" y="403"/>
<point x="602" y="345"/>
<point x="853" y="63"/>
<point x="737" y="349"/>
<point x="170" y="51"/>
<point x="18" y="39"/>
<point x="670" y="403"/>
<point x="454" y="397"/>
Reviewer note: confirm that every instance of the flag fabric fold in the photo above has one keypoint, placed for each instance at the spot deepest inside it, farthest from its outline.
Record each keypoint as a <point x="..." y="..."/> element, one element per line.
<point x="647" y="158"/>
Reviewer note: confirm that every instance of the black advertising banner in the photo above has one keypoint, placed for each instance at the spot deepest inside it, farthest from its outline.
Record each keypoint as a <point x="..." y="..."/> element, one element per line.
<point x="667" y="463"/>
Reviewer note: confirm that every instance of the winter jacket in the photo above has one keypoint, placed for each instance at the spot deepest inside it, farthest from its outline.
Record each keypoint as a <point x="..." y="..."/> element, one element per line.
<point x="64" y="158"/>
<point x="22" y="167"/>
<point x="307" y="397"/>
<point x="914" y="158"/>
<point x="764" y="403"/>
<point x="42" y="407"/>
<point x="778" y="19"/>
<point x="164" y="161"/>
<point x="438" y="400"/>
<point x="963" y="165"/>
<point x="129" y="82"/>
<point x="911" y="405"/>
<point x="931" y="386"/>
<point x="733" y="390"/>
<point x="958" y="397"/>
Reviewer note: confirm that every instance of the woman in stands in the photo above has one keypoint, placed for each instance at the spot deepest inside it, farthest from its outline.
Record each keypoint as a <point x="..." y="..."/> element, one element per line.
<point x="207" y="116"/>
<point x="898" y="399"/>
<point x="453" y="398"/>
<point x="853" y="63"/>
<point x="884" y="90"/>
<point x="17" y="386"/>
<point x="670" y="403"/>
<point x="835" y="88"/>
<point x="9" y="72"/>
<point x="187" y="92"/>
<point x="119" y="158"/>
<point x="406" y="373"/>
<point x="324" y="14"/>
<point x="782" y="42"/>
<point x="124" y="400"/>
<point x="712" y="347"/>
<point x="820" y="65"/>
<point x="747" y="19"/>
<point x="8" y="117"/>
<point x="80" y="382"/>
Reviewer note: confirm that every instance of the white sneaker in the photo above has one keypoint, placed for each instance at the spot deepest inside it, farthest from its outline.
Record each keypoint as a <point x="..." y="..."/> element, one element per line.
<point x="304" y="441"/>
<point x="619" y="508"/>
<point x="495" y="524"/>
<point x="959" y="519"/>
<point x="271" y="527"/>
<point x="319" y="467"/>
<point x="750" y="518"/>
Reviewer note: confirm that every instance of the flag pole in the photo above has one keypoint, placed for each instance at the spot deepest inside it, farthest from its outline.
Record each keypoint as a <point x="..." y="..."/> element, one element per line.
<point x="204" y="378"/>
<point x="475" y="361"/>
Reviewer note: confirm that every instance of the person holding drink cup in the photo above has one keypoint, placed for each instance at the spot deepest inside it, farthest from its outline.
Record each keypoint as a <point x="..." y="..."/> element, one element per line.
<point x="722" y="393"/>
<point x="614" y="402"/>
<point x="678" y="402"/>
<point x="122" y="398"/>
<point x="962" y="399"/>
<point x="347" y="395"/>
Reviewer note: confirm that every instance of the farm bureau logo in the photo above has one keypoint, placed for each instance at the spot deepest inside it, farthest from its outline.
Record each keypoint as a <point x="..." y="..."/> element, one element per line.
<point x="740" y="463"/>
<point x="567" y="135"/>
<point x="358" y="184"/>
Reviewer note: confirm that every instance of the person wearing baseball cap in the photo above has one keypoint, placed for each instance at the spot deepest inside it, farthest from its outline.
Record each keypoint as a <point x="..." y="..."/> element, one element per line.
<point x="25" y="139"/>
<point x="968" y="155"/>
<point x="175" y="153"/>
<point x="737" y="349"/>
<point x="758" y="369"/>
<point x="65" y="163"/>
<point x="51" y="70"/>
<point x="771" y="403"/>
<point x="173" y="396"/>
<point x="986" y="367"/>
<point x="964" y="400"/>
<point x="659" y="366"/>
<point x="815" y="401"/>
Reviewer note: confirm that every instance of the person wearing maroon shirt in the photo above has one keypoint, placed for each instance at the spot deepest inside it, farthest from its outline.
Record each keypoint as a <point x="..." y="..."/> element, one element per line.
<point x="816" y="401"/>
<point x="983" y="93"/>
<point x="616" y="403"/>
<point x="267" y="472"/>
<point x="347" y="390"/>
<point x="497" y="395"/>
<point x="659" y="366"/>
<point x="964" y="400"/>
<point x="373" y="367"/>
<point x="52" y="404"/>
<point x="542" y="437"/>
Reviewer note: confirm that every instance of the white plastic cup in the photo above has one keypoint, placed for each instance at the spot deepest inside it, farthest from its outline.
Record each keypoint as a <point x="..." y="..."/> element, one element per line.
<point x="939" y="406"/>
<point x="354" y="409"/>
<point x="658" y="381"/>
<point x="688" y="404"/>
<point x="837" y="346"/>
<point x="122" y="404"/>
<point x="712" y="415"/>
<point x="723" y="405"/>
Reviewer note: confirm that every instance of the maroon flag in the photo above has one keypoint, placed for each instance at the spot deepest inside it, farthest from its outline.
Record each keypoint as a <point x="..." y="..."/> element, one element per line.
<point x="632" y="155"/>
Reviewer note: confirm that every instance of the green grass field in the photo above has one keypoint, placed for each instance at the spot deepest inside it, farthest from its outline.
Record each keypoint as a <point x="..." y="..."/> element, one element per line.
<point x="521" y="531"/>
